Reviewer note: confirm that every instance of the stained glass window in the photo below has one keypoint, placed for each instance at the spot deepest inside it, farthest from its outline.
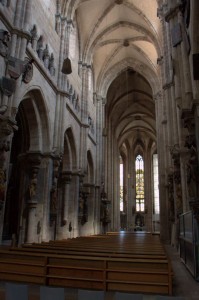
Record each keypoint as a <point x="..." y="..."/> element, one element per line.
<point x="121" y="187"/>
<point x="139" y="170"/>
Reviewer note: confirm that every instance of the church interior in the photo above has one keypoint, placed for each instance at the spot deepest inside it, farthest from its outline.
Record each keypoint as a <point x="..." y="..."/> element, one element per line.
<point x="99" y="131"/>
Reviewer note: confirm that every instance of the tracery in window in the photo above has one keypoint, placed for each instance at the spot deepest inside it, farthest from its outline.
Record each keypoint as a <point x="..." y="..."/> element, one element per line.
<point x="121" y="188"/>
<point x="139" y="171"/>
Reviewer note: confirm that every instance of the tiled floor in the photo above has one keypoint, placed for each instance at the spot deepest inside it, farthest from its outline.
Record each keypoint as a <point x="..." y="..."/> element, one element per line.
<point x="183" y="284"/>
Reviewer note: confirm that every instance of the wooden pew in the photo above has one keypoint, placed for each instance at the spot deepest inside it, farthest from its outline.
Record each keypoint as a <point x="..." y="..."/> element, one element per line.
<point x="100" y="263"/>
<point x="22" y="267"/>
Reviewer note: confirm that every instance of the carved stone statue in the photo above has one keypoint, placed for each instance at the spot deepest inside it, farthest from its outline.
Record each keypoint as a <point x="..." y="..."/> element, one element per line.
<point x="4" y="42"/>
<point x="34" y="37"/>
<point x="33" y="186"/>
<point x="46" y="57"/>
<point x="51" y="65"/>
<point x="40" y="47"/>
<point x="192" y="178"/>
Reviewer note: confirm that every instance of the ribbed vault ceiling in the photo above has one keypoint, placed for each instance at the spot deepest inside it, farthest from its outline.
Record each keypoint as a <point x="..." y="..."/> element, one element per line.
<point x="121" y="40"/>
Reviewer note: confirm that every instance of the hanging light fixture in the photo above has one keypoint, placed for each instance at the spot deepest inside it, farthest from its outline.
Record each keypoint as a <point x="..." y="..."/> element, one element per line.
<point x="66" y="67"/>
<point x="118" y="2"/>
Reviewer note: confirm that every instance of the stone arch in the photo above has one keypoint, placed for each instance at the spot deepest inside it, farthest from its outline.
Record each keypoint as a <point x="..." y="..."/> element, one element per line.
<point x="34" y="111"/>
<point x="70" y="152"/>
<point x="29" y="142"/>
<point x="118" y="68"/>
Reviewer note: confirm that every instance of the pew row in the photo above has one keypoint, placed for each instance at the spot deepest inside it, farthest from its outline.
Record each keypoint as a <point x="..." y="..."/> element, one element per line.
<point x="107" y="245"/>
<point x="99" y="273"/>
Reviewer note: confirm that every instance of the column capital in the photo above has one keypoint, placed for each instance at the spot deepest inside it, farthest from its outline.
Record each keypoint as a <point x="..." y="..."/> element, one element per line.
<point x="66" y="176"/>
<point x="34" y="159"/>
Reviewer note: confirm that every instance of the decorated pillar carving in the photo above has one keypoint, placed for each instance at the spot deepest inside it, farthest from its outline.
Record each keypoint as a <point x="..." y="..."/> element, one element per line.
<point x="83" y="202"/>
<point x="54" y="191"/>
<point x="192" y="174"/>
<point x="34" y="161"/>
<point x="175" y="153"/>
<point x="105" y="210"/>
<point x="7" y="126"/>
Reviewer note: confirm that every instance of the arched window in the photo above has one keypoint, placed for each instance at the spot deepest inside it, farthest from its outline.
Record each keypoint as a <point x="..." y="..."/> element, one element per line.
<point x="156" y="184"/>
<point x="139" y="171"/>
<point x="121" y="185"/>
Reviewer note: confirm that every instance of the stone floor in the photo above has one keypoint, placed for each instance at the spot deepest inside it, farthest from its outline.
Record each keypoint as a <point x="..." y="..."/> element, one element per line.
<point x="184" y="286"/>
<point x="183" y="283"/>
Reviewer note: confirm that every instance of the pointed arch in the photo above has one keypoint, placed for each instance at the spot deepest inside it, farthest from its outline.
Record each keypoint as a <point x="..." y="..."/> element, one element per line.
<point x="70" y="151"/>
<point x="90" y="167"/>
<point x="35" y="121"/>
<point x="33" y="135"/>
<point x="89" y="178"/>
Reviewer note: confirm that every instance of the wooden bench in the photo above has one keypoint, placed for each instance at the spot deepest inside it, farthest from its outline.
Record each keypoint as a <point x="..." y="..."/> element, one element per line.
<point x="100" y="252"/>
<point x="24" y="267"/>
<point x="99" y="263"/>
<point x="107" y="245"/>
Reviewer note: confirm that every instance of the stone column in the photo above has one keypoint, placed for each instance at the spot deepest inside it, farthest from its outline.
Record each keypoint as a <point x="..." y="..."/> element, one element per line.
<point x="59" y="104"/>
<point x="86" y="209"/>
<point x="162" y="147"/>
<point x="100" y="158"/>
<point x="20" y="40"/>
<point x="191" y="163"/>
<point x="47" y="161"/>
<point x="147" y="188"/>
<point x="96" y="222"/>
<point x="68" y="27"/>
<point x="84" y="119"/>
<point x="66" y="178"/>
<point x="72" y="227"/>
<point x="58" y="17"/>
<point x="54" y="195"/>
<point x="179" y="52"/>
<point x="130" y="189"/>
<point x="34" y="161"/>
<point x="115" y="187"/>
<point x="177" y="189"/>
<point x="31" y="232"/>
<point x="26" y="27"/>
<point x="105" y="213"/>
<point x="109" y="169"/>
<point x="6" y="129"/>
